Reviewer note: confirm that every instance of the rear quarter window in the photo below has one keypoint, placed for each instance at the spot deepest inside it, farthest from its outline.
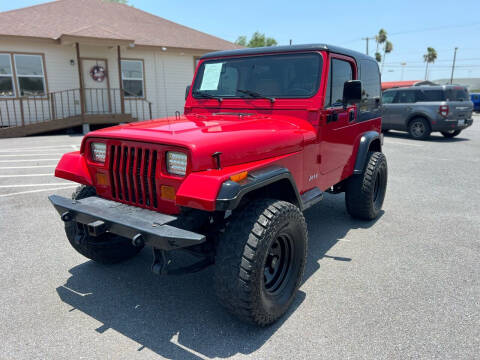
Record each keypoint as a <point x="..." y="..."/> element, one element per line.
<point x="431" y="95"/>
<point x="370" y="77"/>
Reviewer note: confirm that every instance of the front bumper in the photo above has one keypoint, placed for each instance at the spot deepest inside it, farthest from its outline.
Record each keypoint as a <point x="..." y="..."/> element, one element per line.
<point x="448" y="125"/>
<point x="142" y="226"/>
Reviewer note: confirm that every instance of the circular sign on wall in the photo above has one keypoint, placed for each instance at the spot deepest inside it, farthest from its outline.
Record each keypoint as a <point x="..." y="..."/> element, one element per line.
<point x="98" y="73"/>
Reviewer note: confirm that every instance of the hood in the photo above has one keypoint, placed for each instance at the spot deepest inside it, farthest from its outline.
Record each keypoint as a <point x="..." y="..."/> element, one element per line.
<point x="240" y="138"/>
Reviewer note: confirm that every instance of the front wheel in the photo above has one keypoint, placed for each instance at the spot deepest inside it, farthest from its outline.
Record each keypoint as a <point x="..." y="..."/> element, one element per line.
<point x="365" y="193"/>
<point x="260" y="260"/>
<point x="451" y="134"/>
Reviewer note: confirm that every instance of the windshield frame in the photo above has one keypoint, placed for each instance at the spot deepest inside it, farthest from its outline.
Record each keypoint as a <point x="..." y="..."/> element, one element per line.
<point x="201" y="66"/>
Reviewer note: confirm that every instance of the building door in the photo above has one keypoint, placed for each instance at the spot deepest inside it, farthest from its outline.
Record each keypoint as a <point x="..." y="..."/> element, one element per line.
<point x="96" y="86"/>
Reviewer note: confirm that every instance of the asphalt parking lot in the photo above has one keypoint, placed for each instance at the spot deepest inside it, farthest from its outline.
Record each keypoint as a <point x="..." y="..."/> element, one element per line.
<point x="404" y="286"/>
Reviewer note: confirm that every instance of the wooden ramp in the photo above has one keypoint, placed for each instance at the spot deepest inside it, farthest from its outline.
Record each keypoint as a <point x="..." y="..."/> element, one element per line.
<point x="60" y="124"/>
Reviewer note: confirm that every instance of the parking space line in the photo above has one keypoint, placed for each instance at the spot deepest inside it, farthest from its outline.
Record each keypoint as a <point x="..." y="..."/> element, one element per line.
<point x="24" y="155"/>
<point x="24" y="175"/>
<point x="36" y="148"/>
<point x="30" y="185"/>
<point x="28" y="167"/>
<point x="38" y="190"/>
<point x="24" y="160"/>
<point x="402" y="143"/>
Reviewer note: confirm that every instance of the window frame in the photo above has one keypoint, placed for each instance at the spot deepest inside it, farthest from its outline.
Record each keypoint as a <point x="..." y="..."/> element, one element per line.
<point x="43" y="77"/>
<point x="15" y="77"/>
<point x="354" y="68"/>
<point x="12" y="76"/>
<point x="131" y="97"/>
<point x="299" y="97"/>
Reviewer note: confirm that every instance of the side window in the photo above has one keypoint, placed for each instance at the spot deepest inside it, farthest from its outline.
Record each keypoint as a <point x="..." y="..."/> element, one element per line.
<point x="387" y="97"/>
<point x="405" y="97"/>
<point x="370" y="77"/>
<point x="340" y="71"/>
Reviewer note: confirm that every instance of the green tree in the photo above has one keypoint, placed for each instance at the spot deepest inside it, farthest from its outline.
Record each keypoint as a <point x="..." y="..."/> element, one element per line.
<point x="429" y="57"/>
<point x="241" y="40"/>
<point x="257" y="40"/>
<point x="380" y="38"/>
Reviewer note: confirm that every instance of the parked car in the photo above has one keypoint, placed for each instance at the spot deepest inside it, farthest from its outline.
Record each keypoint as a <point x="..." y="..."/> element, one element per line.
<point x="421" y="110"/>
<point x="475" y="97"/>
<point x="229" y="179"/>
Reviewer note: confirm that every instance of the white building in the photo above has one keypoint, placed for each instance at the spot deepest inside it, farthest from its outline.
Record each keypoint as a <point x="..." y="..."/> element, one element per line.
<point x="72" y="62"/>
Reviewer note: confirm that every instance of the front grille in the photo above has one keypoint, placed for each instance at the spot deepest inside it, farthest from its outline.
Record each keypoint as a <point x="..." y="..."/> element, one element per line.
<point x="132" y="175"/>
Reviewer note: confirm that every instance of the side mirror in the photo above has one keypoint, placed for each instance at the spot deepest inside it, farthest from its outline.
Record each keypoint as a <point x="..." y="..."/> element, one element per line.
<point x="352" y="92"/>
<point x="187" y="90"/>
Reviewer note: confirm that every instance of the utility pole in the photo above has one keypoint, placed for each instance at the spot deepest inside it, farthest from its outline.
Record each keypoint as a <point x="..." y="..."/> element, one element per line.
<point x="403" y="68"/>
<point x="453" y="65"/>
<point x="366" y="39"/>
<point x="290" y="41"/>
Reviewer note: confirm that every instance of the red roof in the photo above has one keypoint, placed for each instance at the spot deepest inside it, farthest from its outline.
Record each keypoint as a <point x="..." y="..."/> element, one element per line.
<point x="105" y="20"/>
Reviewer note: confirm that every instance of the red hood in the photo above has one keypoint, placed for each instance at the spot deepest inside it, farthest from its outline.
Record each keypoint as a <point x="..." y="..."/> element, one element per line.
<point x="240" y="139"/>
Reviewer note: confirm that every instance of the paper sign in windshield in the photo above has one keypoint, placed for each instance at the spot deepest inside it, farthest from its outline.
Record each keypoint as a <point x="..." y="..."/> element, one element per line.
<point x="211" y="76"/>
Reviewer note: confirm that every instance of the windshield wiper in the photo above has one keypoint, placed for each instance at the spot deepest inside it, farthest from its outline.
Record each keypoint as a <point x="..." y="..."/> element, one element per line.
<point x="256" y="95"/>
<point x="207" y="96"/>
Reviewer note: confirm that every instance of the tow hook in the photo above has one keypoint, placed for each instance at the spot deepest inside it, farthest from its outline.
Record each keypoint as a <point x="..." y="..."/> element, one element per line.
<point x="66" y="216"/>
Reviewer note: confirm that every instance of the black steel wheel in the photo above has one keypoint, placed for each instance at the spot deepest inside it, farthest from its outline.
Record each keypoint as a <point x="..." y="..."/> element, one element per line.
<point x="260" y="259"/>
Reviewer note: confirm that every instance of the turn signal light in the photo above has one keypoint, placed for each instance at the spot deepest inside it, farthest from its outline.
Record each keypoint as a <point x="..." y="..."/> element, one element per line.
<point x="102" y="179"/>
<point x="239" y="177"/>
<point x="167" y="192"/>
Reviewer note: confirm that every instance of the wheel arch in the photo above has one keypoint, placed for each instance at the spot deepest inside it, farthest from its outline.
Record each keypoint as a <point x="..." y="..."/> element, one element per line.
<point x="369" y="141"/>
<point x="272" y="182"/>
<point x="418" y="115"/>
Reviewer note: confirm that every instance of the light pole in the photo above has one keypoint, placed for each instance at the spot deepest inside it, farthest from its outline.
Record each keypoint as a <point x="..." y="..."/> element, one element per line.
<point x="403" y="68"/>
<point x="453" y="65"/>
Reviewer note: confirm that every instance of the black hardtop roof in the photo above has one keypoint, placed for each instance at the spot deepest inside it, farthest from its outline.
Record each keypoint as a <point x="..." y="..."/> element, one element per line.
<point x="288" y="48"/>
<point x="426" y="87"/>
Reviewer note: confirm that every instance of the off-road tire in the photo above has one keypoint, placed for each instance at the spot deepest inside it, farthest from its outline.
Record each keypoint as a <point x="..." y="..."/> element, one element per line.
<point x="107" y="248"/>
<point x="244" y="255"/>
<point x="365" y="193"/>
<point x="419" y="128"/>
<point x="451" y="134"/>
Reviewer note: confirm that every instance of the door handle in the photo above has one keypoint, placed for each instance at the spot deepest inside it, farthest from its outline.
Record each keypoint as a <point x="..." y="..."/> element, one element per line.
<point x="332" y="117"/>
<point x="351" y="115"/>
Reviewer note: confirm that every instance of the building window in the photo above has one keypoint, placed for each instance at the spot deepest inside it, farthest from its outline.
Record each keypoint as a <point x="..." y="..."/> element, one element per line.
<point x="133" y="78"/>
<point x="30" y="75"/>
<point x="7" y="88"/>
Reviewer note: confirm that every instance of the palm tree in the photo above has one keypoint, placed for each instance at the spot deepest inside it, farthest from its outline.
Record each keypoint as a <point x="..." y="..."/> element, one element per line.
<point x="387" y="49"/>
<point x="380" y="39"/>
<point x="429" y="57"/>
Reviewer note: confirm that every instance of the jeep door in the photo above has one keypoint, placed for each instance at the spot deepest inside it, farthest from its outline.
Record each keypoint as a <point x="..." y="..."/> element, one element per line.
<point x="336" y="144"/>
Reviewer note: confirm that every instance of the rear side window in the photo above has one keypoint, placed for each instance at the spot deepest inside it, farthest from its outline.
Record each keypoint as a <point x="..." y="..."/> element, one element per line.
<point x="456" y="94"/>
<point x="370" y="77"/>
<point x="405" y="97"/>
<point x="340" y="71"/>
<point x="388" y="97"/>
<point x="431" y="95"/>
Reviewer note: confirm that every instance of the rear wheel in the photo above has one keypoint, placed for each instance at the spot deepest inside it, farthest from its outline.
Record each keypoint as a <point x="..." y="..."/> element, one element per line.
<point x="450" y="134"/>
<point x="107" y="248"/>
<point x="365" y="193"/>
<point x="260" y="260"/>
<point x="419" y="128"/>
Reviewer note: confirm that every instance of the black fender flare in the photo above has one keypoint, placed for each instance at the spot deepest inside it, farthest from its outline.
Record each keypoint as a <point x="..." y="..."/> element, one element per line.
<point x="362" y="152"/>
<point x="231" y="192"/>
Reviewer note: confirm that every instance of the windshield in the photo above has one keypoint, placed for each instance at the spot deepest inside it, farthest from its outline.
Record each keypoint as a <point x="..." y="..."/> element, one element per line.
<point x="272" y="76"/>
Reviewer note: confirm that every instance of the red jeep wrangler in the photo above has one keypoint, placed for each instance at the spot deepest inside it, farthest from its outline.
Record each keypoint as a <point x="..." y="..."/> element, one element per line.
<point x="265" y="133"/>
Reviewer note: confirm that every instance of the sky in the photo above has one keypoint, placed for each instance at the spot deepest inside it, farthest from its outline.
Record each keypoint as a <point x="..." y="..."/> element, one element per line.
<point x="412" y="26"/>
